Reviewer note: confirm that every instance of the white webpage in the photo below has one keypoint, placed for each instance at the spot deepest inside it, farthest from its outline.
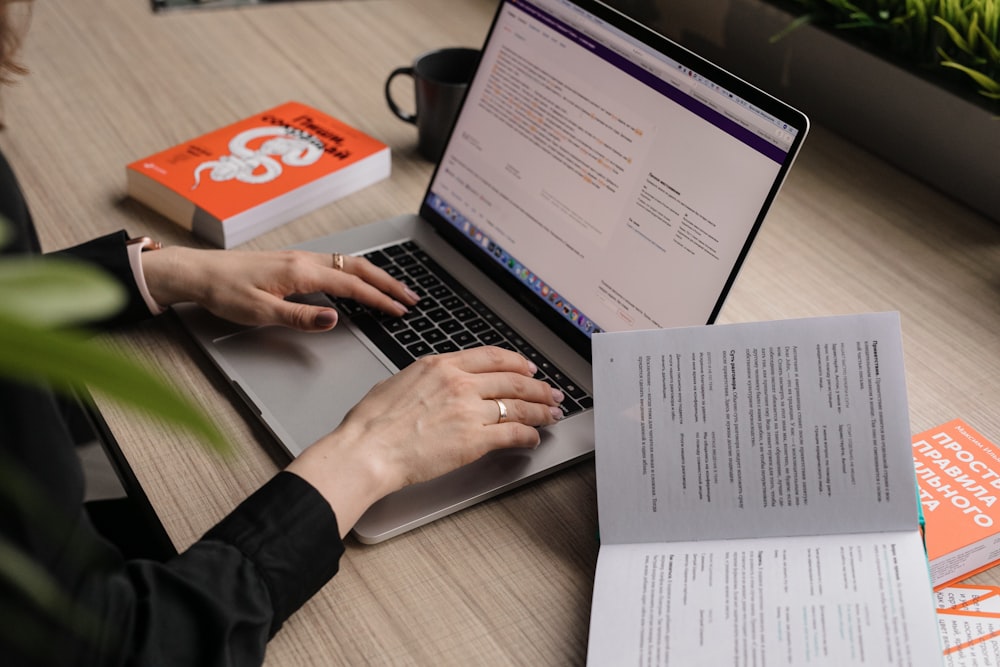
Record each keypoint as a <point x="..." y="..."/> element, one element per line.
<point x="617" y="194"/>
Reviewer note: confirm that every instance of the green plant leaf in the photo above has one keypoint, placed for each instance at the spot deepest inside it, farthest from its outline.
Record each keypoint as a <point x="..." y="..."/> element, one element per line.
<point x="67" y="360"/>
<point x="53" y="291"/>
<point x="953" y="33"/>
<point x="992" y="49"/>
<point x="989" y="85"/>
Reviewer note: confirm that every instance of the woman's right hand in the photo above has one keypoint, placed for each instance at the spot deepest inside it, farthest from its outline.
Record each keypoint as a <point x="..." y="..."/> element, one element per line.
<point x="437" y="415"/>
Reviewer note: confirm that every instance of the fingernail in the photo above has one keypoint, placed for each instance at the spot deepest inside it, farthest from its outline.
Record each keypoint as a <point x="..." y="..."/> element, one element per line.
<point x="557" y="395"/>
<point x="403" y="310"/>
<point x="556" y="413"/>
<point x="414" y="297"/>
<point x="326" y="319"/>
<point x="533" y="367"/>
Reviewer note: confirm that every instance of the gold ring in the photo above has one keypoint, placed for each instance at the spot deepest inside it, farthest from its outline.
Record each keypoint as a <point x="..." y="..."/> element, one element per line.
<point x="503" y="411"/>
<point x="338" y="261"/>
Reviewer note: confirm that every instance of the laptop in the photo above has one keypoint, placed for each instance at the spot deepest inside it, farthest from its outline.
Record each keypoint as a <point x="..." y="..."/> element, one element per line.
<point x="598" y="177"/>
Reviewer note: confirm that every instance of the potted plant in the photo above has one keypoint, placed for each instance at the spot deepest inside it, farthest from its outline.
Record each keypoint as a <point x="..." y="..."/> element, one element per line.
<point x="41" y="299"/>
<point x="915" y="81"/>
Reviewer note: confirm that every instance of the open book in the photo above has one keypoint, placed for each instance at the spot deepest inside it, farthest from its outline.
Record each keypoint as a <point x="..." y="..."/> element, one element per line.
<point x="757" y="500"/>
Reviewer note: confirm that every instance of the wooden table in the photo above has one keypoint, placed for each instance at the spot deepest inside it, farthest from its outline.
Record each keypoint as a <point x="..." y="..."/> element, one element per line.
<point x="509" y="581"/>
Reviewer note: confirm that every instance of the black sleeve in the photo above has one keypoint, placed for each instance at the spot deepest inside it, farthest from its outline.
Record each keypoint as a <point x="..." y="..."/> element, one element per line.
<point x="217" y="603"/>
<point x="111" y="254"/>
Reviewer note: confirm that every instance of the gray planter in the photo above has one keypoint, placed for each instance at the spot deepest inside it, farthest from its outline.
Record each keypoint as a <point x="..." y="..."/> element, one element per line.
<point x="950" y="143"/>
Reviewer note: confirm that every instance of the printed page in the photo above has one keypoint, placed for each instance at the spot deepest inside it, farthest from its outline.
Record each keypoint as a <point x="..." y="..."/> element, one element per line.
<point x="969" y="638"/>
<point x="796" y="427"/>
<point x="831" y="600"/>
<point x="969" y="597"/>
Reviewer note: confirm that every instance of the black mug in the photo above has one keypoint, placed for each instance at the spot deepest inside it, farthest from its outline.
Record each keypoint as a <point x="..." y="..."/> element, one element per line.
<point x="440" y="79"/>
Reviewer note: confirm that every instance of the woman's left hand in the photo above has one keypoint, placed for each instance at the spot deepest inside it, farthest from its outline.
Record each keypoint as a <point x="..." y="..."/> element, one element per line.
<point x="250" y="287"/>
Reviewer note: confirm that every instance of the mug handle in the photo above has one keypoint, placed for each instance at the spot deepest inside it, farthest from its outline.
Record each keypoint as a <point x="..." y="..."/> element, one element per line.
<point x="409" y="118"/>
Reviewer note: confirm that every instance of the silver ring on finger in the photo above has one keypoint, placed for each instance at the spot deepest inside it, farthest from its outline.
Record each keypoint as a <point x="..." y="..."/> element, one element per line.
<point x="503" y="411"/>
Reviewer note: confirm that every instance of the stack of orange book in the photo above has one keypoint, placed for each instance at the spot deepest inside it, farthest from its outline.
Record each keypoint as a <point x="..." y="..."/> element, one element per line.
<point x="958" y="472"/>
<point x="247" y="178"/>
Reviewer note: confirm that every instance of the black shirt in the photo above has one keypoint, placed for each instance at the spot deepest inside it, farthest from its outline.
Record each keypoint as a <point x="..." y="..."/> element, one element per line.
<point x="217" y="603"/>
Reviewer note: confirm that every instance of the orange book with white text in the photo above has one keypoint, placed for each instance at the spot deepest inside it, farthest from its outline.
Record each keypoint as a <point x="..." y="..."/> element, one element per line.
<point x="244" y="179"/>
<point x="958" y="472"/>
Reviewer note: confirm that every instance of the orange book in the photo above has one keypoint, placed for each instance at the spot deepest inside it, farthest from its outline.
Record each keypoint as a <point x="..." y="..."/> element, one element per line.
<point x="244" y="179"/>
<point x="958" y="472"/>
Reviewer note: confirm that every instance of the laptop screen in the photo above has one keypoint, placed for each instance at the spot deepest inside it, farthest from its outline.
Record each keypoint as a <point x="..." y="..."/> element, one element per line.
<point x="609" y="178"/>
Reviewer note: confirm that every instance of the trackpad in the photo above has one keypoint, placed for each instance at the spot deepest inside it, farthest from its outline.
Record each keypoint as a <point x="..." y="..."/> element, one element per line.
<point x="302" y="384"/>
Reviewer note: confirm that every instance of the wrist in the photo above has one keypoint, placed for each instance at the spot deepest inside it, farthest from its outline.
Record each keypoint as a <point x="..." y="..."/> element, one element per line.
<point x="346" y="473"/>
<point x="168" y="274"/>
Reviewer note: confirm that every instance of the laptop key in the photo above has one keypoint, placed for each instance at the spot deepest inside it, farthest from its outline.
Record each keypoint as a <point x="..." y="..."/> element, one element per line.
<point x="393" y="325"/>
<point x="433" y="336"/>
<point x="569" y="406"/>
<point x="421" y="324"/>
<point x="439" y="292"/>
<point x="417" y="271"/>
<point x="465" y="339"/>
<point x="451" y="303"/>
<point x="428" y="281"/>
<point x="446" y="346"/>
<point x="464" y="314"/>
<point x="477" y="325"/>
<point x="407" y="336"/>
<point x="419" y="349"/>
<point x="490" y="337"/>
<point x="348" y="306"/>
<point x="395" y="352"/>
<point x="573" y="390"/>
<point x="438" y="315"/>
<point x="451" y="326"/>
<point x="378" y="258"/>
<point x="394" y="250"/>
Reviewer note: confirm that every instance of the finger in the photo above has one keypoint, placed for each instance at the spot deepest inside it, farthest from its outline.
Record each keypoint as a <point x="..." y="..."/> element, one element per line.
<point x="515" y="386"/>
<point x="303" y="317"/>
<point x="512" y="384"/>
<point x="528" y="413"/>
<point x="488" y="359"/>
<point x="510" y="435"/>
<point x="354" y="287"/>
<point x="378" y="278"/>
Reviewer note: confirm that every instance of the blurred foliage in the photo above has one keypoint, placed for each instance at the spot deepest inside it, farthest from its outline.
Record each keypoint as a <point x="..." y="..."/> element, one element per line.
<point x="957" y="41"/>
<point x="43" y="302"/>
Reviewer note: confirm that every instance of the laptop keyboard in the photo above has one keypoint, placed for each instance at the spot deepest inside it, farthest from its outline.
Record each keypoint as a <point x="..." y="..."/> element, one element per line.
<point x="447" y="318"/>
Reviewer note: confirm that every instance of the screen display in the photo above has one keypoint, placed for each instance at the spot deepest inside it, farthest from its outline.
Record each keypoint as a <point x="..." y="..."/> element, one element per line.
<point x="616" y="185"/>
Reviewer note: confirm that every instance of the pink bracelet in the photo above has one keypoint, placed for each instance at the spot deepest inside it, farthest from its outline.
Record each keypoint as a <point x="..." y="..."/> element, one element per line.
<point x="135" y="249"/>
